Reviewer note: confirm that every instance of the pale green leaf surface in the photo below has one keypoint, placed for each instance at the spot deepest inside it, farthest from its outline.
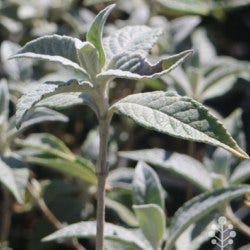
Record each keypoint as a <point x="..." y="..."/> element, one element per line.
<point x="4" y="101"/>
<point x="200" y="206"/>
<point x="114" y="245"/>
<point x="87" y="229"/>
<point x="55" y="48"/>
<point x="179" y="116"/>
<point x="180" y="164"/>
<point x="89" y="58"/>
<point x="49" y="151"/>
<point x="94" y="34"/>
<point x="182" y="27"/>
<point x="41" y="91"/>
<point x="185" y="7"/>
<point x="63" y="100"/>
<point x="135" y="67"/>
<point x="122" y="211"/>
<point x="38" y="116"/>
<point x="151" y="219"/>
<point x="233" y="69"/>
<point x="13" y="176"/>
<point x="241" y="173"/>
<point x="147" y="188"/>
<point x="130" y="40"/>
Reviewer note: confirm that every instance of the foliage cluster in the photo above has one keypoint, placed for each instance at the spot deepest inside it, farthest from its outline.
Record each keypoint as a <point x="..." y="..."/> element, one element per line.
<point x="83" y="71"/>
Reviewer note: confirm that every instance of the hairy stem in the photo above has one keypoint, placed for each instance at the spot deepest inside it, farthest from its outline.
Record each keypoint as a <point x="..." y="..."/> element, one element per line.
<point x="102" y="173"/>
<point x="6" y="216"/>
<point x="236" y="221"/>
<point x="51" y="217"/>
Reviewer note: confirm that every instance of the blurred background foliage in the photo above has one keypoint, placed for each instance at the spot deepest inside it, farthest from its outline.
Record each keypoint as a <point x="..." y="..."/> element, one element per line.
<point x="217" y="75"/>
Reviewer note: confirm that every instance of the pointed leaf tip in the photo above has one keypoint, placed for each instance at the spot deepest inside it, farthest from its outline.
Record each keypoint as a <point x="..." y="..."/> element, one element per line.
<point x="95" y="32"/>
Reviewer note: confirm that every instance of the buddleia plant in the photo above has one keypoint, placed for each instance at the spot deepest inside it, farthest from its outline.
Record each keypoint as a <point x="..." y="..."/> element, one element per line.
<point x="97" y="62"/>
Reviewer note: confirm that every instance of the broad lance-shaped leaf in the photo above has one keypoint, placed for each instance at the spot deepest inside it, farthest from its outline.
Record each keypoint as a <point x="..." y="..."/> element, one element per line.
<point x="47" y="150"/>
<point x="179" y="116"/>
<point x="200" y="206"/>
<point x="63" y="100"/>
<point x="124" y="213"/>
<point x="4" y="101"/>
<point x="38" y="116"/>
<point x="219" y="74"/>
<point x="180" y="164"/>
<point x="184" y="7"/>
<point x="130" y="39"/>
<point x="151" y="219"/>
<point x="87" y="229"/>
<point x="41" y="91"/>
<point x="94" y="34"/>
<point x="14" y="176"/>
<point x="89" y="58"/>
<point x="147" y="188"/>
<point x="241" y="173"/>
<point x="134" y="66"/>
<point x="55" y="48"/>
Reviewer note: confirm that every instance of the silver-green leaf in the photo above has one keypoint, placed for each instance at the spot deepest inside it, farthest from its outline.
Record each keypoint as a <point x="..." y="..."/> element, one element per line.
<point x="87" y="229"/>
<point x="55" y="48"/>
<point x="41" y="91"/>
<point x="38" y="116"/>
<point x="241" y="173"/>
<point x="179" y="116"/>
<point x="152" y="222"/>
<point x="200" y="206"/>
<point x="130" y="39"/>
<point x="147" y="188"/>
<point x="47" y="150"/>
<point x="179" y="164"/>
<point x="4" y="102"/>
<point x="134" y="66"/>
<point x="14" y="176"/>
<point x="94" y="34"/>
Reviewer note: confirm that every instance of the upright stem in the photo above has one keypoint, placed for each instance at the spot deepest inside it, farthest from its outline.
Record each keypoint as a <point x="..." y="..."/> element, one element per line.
<point x="102" y="173"/>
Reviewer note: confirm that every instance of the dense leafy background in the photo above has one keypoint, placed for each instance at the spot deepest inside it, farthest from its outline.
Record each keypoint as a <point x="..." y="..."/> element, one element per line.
<point x="220" y="38"/>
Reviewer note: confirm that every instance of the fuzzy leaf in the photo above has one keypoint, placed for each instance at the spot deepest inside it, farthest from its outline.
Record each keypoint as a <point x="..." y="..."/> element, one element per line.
<point x="179" y="116"/>
<point x="125" y="214"/>
<point x="47" y="150"/>
<point x="134" y="66"/>
<point x="180" y="164"/>
<point x="94" y="34"/>
<point x="225" y="71"/>
<point x="55" y="48"/>
<point x="184" y="7"/>
<point x="40" y="115"/>
<point x="151" y="219"/>
<point x="4" y="101"/>
<point x="89" y="58"/>
<point x="241" y="173"/>
<point x="147" y="188"/>
<point x="63" y="100"/>
<point x="41" y="91"/>
<point x="14" y="176"/>
<point x="130" y="39"/>
<point x="87" y="229"/>
<point x="200" y="206"/>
